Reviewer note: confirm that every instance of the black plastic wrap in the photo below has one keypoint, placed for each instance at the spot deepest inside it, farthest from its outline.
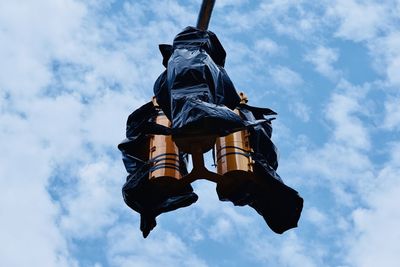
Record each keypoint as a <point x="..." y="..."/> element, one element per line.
<point x="142" y="195"/>
<point x="279" y="204"/>
<point x="260" y="133"/>
<point x="264" y="190"/>
<point x="195" y="92"/>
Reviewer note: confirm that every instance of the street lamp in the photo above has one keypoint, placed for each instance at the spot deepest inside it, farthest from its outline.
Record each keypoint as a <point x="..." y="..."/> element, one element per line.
<point x="196" y="108"/>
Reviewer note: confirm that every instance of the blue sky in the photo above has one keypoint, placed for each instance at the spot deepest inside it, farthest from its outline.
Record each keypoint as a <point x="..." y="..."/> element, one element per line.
<point x="72" y="71"/>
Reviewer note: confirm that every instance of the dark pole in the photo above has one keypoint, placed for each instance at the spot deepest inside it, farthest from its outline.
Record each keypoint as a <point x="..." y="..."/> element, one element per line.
<point x="205" y="14"/>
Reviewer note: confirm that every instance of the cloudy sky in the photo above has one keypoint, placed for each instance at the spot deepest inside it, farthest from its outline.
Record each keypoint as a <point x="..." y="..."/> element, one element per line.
<point x="71" y="72"/>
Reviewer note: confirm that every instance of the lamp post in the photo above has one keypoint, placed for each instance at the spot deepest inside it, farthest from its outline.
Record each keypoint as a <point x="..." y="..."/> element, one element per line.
<point x="205" y="14"/>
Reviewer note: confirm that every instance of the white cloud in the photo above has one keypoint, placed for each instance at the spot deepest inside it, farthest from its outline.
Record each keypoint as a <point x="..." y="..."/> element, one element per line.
<point x="293" y="254"/>
<point x="339" y="165"/>
<point x="91" y="205"/>
<point x="370" y="233"/>
<point x="386" y="54"/>
<point x="289" y="251"/>
<point x="374" y="24"/>
<point x="57" y="82"/>
<point x="222" y="228"/>
<point x="316" y="216"/>
<point x="173" y="11"/>
<point x="213" y="219"/>
<point x="349" y="128"/>
<point x="342" y="162"/>
<point x="301" y="110"/>
<point x="225" y="3"/>
<point x="377" y="231"/>
<point x="31" y="34"/>
<point x="291" y="82"/>
<point x="359" y="21"/>
<point x="392" y="114"/>
<point x="127" y="248"/>
<point x="323" y="58"/>
<point x="28" y="227"/>
<point x="267" y="46"/>
<point x="300" y="24"/>
<point x="285" y="77"/>
<point x="31" y="131"/>
<point x="104" y="120"/>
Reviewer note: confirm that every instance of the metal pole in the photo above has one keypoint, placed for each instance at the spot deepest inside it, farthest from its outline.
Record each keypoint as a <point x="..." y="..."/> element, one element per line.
<point x="205" y="14"/>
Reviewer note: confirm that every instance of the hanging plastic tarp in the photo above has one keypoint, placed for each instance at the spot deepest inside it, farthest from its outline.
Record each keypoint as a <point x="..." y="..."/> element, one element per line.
<point x="279" y="204"/>
<point x="195" y="92"/>
<point x="144" y="191"/>
<point x="259" y="186"/>
<point x="260" y="129"/>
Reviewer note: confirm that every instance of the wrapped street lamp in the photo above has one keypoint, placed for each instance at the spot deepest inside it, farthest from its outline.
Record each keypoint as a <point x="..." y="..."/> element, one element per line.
<point x="196" y="108"/>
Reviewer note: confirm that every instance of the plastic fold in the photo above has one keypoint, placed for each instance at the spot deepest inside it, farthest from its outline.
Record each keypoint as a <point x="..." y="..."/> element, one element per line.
<point x="194" y="91"/>
<point x="263" y="189"/>
<point x="145" y="196"/>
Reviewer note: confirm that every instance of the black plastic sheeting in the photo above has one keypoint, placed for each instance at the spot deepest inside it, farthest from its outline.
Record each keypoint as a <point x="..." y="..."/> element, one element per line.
<point x="198" y="97"/>
<point x="260" y="130"/>
<point x="279" y="204"/>
<point x="195" y="92"/>
<point x="141" y="194"/>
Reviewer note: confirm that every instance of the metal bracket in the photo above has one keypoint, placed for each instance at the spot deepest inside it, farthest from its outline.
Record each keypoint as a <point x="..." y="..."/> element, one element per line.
<point x="199" y="171"/>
